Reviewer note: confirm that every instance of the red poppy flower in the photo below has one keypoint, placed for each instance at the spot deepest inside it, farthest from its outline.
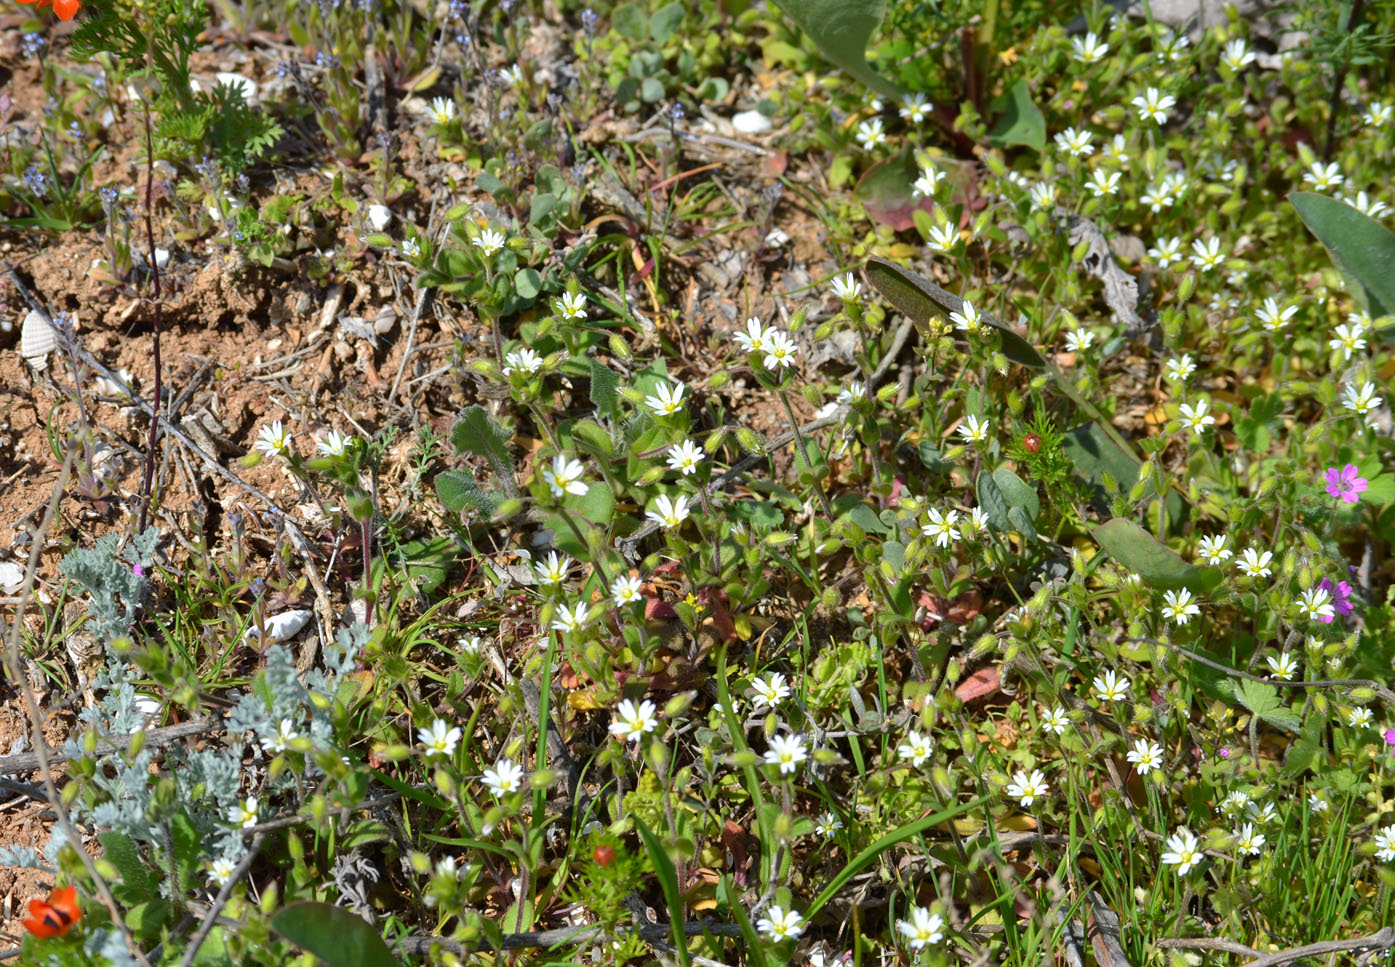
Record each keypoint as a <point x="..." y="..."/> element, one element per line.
<point x="66" y="9"/>
<point x="56" y="915"/>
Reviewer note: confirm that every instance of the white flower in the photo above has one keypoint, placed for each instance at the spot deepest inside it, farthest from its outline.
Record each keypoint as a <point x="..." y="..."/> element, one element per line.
<point x="1028" y="789"/>
<point x="1348" y="338"/>
<point x="974" y="430"/>
<point x="1316" y="603"/>
<point x="1361" y="320"/>
<point x="572" y="305"/>
<point x="440" y="738"/>
<point x="333" y="443"/>
<point x="522" y="361"/>
<point x="1111" y="687"/>
<point x="1172" y="47"/>
<point x="281" y="741"/>
<point x="411" y="248"/>
<point x="633" y="721"/>
<point x="511" y="75"/>
<point x="976" y="523"/>
<point x="854" y="392"/>
<point x="1236" y="55"/>
<point x="442" y="110"/>
<point x="915" y="108"/>
<point x="924" y="928"/>
<point x="1323" y="177"/>
<point x="1359" y="717"/>
<point x="1275" y="319"/>
<point x="1076" y="142"/>
<point x="669" y="513"/>
<point x="553" y="571"/>
<point x="770" y="691"/>
<point x="870" y="134"/>
<point x="1212" y="549"/>
<point x="1360" y="401"/>
<point x="1089" y="49"/>
<point x="274" y="439"/>
<point x="1195" y="418"/>
<point x="1319" y="805"/>
<point x="1166" y="251"/>
<point x="489" y="241"/>
<point x="787" y="752"/>
<point x="1207" y="255"/>
<point x="845" y="287"/>
<point x="1262" y="813"/>
<point x="929" y="179"/>
<point x="917" y="748"/>
<point x="827" y="824"/>
<point x="1247" y="841"/>
<point x="1385" y="843"/>
<point x="220" y="871"/>
<point x="1283" y="667"/>
<point x="504" y="778"/>
<point x="1153" y="105"/>
<point x="1366" y="205"/>
<point x="1156" y="197"/>
<point x="685" y="457"/>
<point x="941" y="527"/>
<point x="1146" y="755"/>
<point x="780" y="924"/>
<point x="1183" y="852"/>
<point x="1055" y="720"/>
<point x="564" y="476"/>
<point x="1378" y="114"/>
<point x="1103" y="182"/>
<point x="245" y="814"/>
<point x="1234" y="804"/>
<point x="780" y="350"/>
<point x="1116" y="150"/>
<point x="754" y="338"/>
<point x="1254" y="563"/>
<point x="625" y="589"/>
<point x="1043" y="194"/>
<point x="469" y="644"/>
<point x="942" y="237"/>
<point x="666" y="400"/>
<point x="1179" y="606"/>
<point x="1079" y="339"/>
<point x="571" y="617"/>
<point x="967" y="319"/>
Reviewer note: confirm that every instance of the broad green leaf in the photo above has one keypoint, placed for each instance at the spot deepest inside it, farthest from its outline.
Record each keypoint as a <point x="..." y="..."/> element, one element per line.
<point x="527" y="283"/>
<point x="605" y="387"/>
<point x="458" y="490"/>
<point x="1258" y="697"/>
<point x="597" y="505"/>
<point x="479" y="433"/>
<point x="1022" y="121"/>
<point x="630" y="21"/>
<point x="994" y="502"/>
<point x="887" y="191"/>
<point x="1361" y="247"/>
<point x="665" y="22"/>
<point x="1018" y="492"/>
<point x="1095" y="453"/>
<point x="1157" y="564"/>
<point x="1305" y="749"/>
<point x="841" y="29"/>
<point x="332" y="934"/>
<point x="1020" y="522"/>
<point x="138" y="881"/>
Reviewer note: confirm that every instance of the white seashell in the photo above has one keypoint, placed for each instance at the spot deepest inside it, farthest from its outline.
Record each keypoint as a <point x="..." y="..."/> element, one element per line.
<point x="248" y="86"/>
<point x="751" y="122"/>
<point x="37" y="339"/>
<point x="378" y="217"/>
<point x="11" y="577"/>
<point x="283" y="626"/>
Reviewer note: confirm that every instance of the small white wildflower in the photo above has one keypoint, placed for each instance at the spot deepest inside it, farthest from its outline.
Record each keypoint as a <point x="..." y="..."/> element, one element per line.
<point x="1111" y="687"/>
<point x="1146" y="755"/>
<point x="1028" y="789"/>
<point x="770" y="691"/>
<point x="916" y="749"/>
<point x="274" y="439"/>
<point x="1089" y="49"/>
<point x="787" y="752"/>
<point x="439" y="738"/>
<point x="625" y="589"/>
<point x="685" y="457"/>
<point x="504" y="778"/>
<point x="1183" y="851"/>
<point x="925" y="928"/>
<point x="667" y="512"/>
<point x="633" y="721"/>
<point x="1212" y="549"/>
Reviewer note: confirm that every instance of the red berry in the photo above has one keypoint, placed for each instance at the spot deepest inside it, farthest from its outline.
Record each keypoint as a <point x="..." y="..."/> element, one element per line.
<point x="603" y="855"/>
<point x="1032" y="442"/>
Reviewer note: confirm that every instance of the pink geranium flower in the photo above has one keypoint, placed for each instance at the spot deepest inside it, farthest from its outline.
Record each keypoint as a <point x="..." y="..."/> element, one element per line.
<point x="1345" y="484"/>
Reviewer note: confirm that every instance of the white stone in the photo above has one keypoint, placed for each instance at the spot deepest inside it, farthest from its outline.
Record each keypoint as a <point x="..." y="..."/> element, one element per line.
<point x="246" y="84"/>
<point x="751" y="122"/>
<point x="378" y="217"/>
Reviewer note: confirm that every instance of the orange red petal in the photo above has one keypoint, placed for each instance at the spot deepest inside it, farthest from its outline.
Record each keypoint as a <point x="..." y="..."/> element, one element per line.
<point x="56" y="915"/>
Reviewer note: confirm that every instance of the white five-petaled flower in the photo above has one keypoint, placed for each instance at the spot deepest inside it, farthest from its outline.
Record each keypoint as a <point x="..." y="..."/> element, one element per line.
<point x="1212" y="549"/>
<point x="625" y="589"/>
<point x="1153" y="105"/>
<point x="1183" y="851"/>
<point x="1234" y="804"/>
<point x="564" y="476"/>
<point x="1323" y="176"/>
<point x="827" y="824"/>
<point x="854" y="392"/>
<point x="469" y="644"/>
<point x="1028" y="789"/>
<point x="1349" y="338"/>
<point x="1054" y="720"/>
<point x="245" y="814"/>
<point x="553" y="570"/>
<point x="1254" y="563"/>
<point x="504" y="778"/>
<point x="1378" y="114"/>
<point x="1236" y="55"/>
<point x="274" y="438"/>
<point x="1079" y="339"/>
<point x="1146" y="755"/>
<point x="489" y="241"/>
<point x="974" y="430"/>
<point x="925" y="928"/>
<point x="1248" y="841"/>
<point x="1195" y="418"/>
<point x="442" y="110"/>
<point x="522" y="361"/>
<point x="1166" y="251"/>
<point x="780" y="350"/>
<point x="1076" y="142"/>
<point x="685" y="457"/>
<point x="1273" y="317"/>
<point x="1262" y="813"/>
<point x="1366" y="205"/>
<point x="915" y="107"/>
<point x="916" y="749"/>
<point x="220" y="871"/>
<point x="975" y="523"/>
<point x="1103" y="182"/>
<point x="787" y="752"/>
<point x="845" y="287"/>
<point x="633" y="721"/>
<point x="1283" y="667"/>
<point x="1316" y="604"/>
<point x="942" y="237"/>
<point x="1111" y="687"/>
<point x="572" y="305"/>
<point x="1319" y="805"/>
<point x="1178" y="606"/>
<point x="439" y="738"/>
<point x="1043" y="194"/>
<point x="1385" y="843"/>
<point x="1116" y="150"/>
<point x="1206" y="255"/>
<point x="667" y="400"/>
<point x="754" y="337"/>
<point x="281" y="740"/>
<point x="333" y="443"/>
<point x="870" y="134"/>
<point x="941" y="526"/>
<point x="571" y="617"/>
<point x="780" y="924"/>
<point x="1089" y="49"/>
<point x="669" y="513"/>
<point x="928" y="180"/>
<point x="1359" y="717"/>
<point x="770" y="691"/>
<point x="512" y="75"/>
<point x="1360" y="401"/>
<point x="967" y="319"/>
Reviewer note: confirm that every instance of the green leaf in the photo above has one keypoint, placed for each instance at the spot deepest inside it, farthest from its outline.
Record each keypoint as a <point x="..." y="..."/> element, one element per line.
<point x="630" y="21"/>
<point x="994" y="502"/>
<point x="665" y="22"/>
<point x="458" y="490"/>
<point x="605" y="387"/>
<point x="425" y="564"/>
<point x="841" y="29"/>
<point x="490" y="183"/>
<point x="479" y="433"/>
<point x="1304" y="750"/>
<point x="1095" y="453"/>
<point x="887" y="191"/>
<point x="1158" y="565"/>
<point x="597" y="505"/>
<point x="1263" y="701"/>
<point x="138" y="881"/>
<point x="1362" y="248"/>
<point x="1379" y="490"/>
<point x="333" y="934"/>
<point x="1018" y="492"/>
<point x="1020" y="522"/>
<point x="668" y="880"/>
<point x="1022" y="121"/>
<point x="527" y="283"/>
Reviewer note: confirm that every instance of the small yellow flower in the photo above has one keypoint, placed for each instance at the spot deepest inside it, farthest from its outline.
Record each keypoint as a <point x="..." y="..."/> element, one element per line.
<point x="691" y="600"/>
<point x="1008" y="57"/>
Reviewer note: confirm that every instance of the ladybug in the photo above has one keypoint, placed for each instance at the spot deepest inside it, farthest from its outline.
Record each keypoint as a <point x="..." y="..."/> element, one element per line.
<point x="603" y="855"/>
<point x="1031" y="442"/>
<point x="55" y="916"/>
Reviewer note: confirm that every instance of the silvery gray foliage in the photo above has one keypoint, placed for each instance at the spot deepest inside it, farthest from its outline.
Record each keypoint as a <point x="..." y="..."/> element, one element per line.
<point x="23" y="856"/>
<point x="112" y="585"/>
<point x="117" y="713"/>
<point x="130" y="792"/>
<point x="106" y="945"/>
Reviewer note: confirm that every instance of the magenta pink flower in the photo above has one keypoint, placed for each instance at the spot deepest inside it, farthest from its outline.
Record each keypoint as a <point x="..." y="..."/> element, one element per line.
<point x="1344" y="483"/>
<point x="1341" y="597"/>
